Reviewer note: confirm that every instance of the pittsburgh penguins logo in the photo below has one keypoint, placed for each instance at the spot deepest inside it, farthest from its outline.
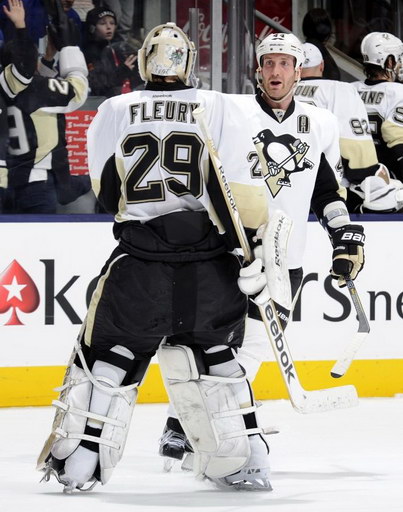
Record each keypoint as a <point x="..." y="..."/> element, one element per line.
<point x="280" y="157"/>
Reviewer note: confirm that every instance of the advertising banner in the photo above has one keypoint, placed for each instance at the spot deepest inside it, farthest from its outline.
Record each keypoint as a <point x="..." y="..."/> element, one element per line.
<point x="48" y="272"/>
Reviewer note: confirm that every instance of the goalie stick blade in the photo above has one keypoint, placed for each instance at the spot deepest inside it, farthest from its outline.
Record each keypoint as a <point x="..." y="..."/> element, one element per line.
<point x="323" y="400"/>
<point x="343" y="364"/>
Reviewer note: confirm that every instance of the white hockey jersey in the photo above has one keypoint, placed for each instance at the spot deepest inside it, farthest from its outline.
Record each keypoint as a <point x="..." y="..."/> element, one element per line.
<point x="356" y="145"/>
<point x="384" y="104"/>
<point x="302" y="160"/>
<point x="158" y="149"/>
<point x="152" y="140"/>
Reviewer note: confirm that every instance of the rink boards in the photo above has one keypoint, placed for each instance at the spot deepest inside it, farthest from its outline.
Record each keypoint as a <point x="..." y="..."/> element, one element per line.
<point x="47" y="272"/>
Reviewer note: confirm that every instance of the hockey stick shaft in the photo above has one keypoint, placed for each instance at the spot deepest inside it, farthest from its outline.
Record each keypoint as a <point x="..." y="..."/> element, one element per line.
<point x="344" y="362"/>
<point x="302" y="400"/>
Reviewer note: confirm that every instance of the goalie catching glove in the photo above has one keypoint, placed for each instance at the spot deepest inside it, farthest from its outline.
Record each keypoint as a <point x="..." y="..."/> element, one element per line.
<point x="348" y="252"/>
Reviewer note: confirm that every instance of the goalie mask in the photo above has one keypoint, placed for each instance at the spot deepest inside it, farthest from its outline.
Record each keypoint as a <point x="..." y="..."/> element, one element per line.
<point x="376" y="47"/>
<point x="167" y="51"/>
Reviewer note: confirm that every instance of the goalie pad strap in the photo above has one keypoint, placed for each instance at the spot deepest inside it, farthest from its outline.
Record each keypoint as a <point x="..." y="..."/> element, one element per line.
<point x="229" y="380"/>
<point x="235" y="412"/>
<point x="116" y="359"/>
<point x="70" y="435"/>
<point x="249" y="432"/>
<point x="94" y="380"/>
<point x="88" y="414"/>
<point x="93" y="446"/>
<point x="214" y="358"/>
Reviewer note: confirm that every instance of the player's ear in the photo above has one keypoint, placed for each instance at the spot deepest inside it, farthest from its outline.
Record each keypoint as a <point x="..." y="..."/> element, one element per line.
<point x="258" y="75"/>
<point x="298" y="74"/>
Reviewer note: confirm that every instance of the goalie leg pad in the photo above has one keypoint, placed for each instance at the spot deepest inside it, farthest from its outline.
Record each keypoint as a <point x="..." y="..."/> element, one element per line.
<point x="211" y="409"/>
<point x="92" y="419"/>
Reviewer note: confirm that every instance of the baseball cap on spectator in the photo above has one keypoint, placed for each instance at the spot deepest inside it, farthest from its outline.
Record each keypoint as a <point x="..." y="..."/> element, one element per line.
<point x="94" y="15"/>
<point x="313" y="57"/>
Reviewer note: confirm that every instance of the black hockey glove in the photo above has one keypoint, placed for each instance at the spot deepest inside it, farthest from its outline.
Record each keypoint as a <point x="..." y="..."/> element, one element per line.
<point x="348" y="252"/>
<point x="62" y="30"/>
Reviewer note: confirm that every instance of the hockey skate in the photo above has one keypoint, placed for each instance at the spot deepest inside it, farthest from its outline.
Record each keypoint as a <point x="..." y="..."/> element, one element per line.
<point x="55" y="467"/>
<point x="254" y="476"/>
<point x="173" y="443"/>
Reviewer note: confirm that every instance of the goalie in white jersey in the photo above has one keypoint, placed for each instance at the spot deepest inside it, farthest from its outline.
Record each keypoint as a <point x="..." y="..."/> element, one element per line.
<point x="357" y="148"/>
<point x="383" y="98"/>
<point x="170" y="285"/>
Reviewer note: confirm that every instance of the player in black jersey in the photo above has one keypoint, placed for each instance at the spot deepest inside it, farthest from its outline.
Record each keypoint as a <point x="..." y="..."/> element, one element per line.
<point x="36" y="127"/>
<point x="19" y="67"/>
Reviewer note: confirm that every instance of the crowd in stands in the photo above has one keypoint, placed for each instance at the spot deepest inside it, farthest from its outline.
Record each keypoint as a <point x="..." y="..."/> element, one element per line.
<point x="34" y="167"/>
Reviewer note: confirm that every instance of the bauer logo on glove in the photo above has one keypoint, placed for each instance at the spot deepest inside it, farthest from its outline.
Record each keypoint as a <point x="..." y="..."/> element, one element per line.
<point x="348" y="252"/>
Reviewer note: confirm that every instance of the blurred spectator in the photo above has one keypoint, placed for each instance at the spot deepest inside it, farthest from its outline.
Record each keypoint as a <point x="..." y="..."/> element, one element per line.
<point x="73" y="15"/>
<point x="37" y="177"/>
<point x="36" y="20"/>
<point x="112" y="66"/>
<point x="124" y="11"/>
<point x="82" y="7"/>
<point x="317" y="29"/>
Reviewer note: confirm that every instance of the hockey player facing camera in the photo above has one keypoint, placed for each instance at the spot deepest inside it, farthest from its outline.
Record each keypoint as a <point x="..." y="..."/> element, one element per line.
<point x="169" y="286"/>
<point x="298" y="148"/>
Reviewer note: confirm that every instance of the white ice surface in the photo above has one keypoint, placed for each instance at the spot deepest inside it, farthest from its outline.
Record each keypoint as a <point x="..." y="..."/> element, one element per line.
<point x="340" y="461"/>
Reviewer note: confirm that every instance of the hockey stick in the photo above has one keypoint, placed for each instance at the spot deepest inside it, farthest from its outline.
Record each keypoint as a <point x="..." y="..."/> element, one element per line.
<point x="344" y="362"/>
<point x="302" y="400"/>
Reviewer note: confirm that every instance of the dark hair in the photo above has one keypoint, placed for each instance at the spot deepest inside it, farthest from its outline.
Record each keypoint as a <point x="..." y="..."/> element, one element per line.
<point x="372" y="71"/>
<point x="317" y="25"/>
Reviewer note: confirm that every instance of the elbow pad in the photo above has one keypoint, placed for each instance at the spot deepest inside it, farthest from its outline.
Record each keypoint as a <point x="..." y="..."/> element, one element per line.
<point x="72" y="60"/>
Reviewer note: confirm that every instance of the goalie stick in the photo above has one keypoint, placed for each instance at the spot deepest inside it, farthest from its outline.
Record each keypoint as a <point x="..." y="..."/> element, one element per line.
<point x="302" y="400"/>
<point x="343" y="364"/>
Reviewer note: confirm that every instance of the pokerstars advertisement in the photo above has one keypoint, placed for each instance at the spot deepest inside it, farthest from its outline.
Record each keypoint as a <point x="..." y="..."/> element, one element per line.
<point x="48" y="273"/>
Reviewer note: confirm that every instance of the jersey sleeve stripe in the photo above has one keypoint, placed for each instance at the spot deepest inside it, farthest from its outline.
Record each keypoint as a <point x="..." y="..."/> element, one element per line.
<point x="12" y="82"/>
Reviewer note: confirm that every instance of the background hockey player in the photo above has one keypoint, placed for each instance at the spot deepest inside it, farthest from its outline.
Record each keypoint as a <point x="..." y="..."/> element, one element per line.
<point x="15" y="78"/>
<point x="383" y="99"/>
<point x="172" y="277"/>
<point x="357" y="149"/>
<point x="37" y="149"/>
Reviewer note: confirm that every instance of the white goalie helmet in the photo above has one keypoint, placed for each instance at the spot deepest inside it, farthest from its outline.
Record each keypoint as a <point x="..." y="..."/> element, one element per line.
<point x="377" y="46"/>
<point x="167" y="51"/>
<point x="281" y="43"/>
